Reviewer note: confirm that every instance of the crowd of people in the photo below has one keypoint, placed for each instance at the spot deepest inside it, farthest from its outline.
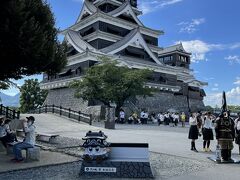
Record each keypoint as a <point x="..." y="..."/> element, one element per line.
<point x="167" y="118"/>
<point x="203" y="124"/>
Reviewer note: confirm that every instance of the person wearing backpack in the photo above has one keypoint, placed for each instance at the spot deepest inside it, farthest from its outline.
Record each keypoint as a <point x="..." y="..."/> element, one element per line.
<point x="237" y="129"/>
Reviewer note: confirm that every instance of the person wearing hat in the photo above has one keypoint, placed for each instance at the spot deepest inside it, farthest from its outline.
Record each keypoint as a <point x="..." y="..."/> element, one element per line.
<point x="28" y="142"/>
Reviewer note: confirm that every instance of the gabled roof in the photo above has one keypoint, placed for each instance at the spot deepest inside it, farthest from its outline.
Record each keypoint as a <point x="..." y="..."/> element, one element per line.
<point x="75" y="39"/>
<point x="125" y="8"/>
<point x="177" y="47"/>
<point x="115" y="2"/>
<point x="88" y="7"/>
<point x="133" y="37"/>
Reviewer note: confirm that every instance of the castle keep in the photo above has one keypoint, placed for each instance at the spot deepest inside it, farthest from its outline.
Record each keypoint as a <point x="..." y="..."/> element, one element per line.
<point x="112" y="28"/>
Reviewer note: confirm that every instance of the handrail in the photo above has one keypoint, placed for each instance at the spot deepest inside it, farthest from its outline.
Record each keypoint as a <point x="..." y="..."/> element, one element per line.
<point x="67" y="112"/>
<point x="9" y="113"/>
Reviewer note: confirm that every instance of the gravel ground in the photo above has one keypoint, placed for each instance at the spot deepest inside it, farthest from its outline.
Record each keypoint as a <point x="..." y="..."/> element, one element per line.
<point x="164" y="166"/>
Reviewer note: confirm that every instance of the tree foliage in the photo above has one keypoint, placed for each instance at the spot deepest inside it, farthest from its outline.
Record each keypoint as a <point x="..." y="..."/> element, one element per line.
<point x="28" y="40"/>
<point x="109" y="83"/>
<point x="31" y="95"/>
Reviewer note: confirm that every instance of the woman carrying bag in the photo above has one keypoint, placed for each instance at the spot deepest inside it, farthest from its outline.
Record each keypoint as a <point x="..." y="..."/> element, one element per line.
<point x="193" y="131"/>
<point x="207" y="132"/>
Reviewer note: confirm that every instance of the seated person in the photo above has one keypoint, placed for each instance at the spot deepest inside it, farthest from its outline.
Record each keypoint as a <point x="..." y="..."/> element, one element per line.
<point x="28" y="142"/>
<point x="3" y="132"/>
<point x="6" y="134"/>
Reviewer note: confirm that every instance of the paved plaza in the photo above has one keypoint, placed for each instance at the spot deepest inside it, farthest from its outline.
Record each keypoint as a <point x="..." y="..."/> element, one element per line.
<point x="169" y="147"/>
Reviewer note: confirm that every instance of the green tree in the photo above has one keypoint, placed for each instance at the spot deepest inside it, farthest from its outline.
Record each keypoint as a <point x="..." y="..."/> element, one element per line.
<point x="209" y="108"/>
<point x="109" y="83"/>
<point x="28" y="40"/>
<point x="31" y="95"/>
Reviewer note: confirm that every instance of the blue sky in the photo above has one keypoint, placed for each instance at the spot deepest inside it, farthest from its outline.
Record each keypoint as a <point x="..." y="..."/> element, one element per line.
<point x="209" y="29"/>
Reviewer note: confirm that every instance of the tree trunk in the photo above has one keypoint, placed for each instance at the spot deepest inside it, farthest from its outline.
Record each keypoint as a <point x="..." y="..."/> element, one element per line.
<point x="110" y="118"/>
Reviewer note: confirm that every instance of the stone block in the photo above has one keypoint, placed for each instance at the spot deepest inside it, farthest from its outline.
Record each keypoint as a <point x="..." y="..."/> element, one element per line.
<point x="9" y="150"/>
<point x="33" y="154"/>
<point x="2" y="148"/>
<point x="116" y="169"/>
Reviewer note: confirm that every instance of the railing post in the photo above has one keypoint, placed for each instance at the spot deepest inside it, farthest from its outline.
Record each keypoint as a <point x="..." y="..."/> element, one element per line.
<point x="79" y="116"/>
<point x="69" y="113"/>
<point x="90" y="121"/>
<point x="7" y="112"/>
<point x="60" y="111"/>
<point x="14" y="114"/>
<point x="1" y="109"/>
<point x="53" y="108"/>
<point x="45" y="108"/>
<point x="18" y="115"/>
<point x="39" y="111"/>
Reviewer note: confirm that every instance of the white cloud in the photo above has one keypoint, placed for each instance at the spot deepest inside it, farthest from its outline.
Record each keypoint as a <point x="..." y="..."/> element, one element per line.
<point x="233" y="98"/>
<point x="235" y="46"/>
<point x="233" y="59"/>
<point x="216" y="85"/>
<point x="149" y="6"/>
<point x="199" y="48"/>
<point x="237" y="82"/>
<point x="190" y="27"/>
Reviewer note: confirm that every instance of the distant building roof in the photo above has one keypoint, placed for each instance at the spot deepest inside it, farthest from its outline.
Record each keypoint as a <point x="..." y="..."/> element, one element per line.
<point x="177" y="47"/>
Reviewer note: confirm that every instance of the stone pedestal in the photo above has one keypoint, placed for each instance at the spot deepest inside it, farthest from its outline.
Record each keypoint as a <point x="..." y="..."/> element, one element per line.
<point x="33" y="154"/>
<point x="116" y="169"/>
<point x="110" y="118"/>
<point x="2" y="148"/>
<point x="9" y="150"/>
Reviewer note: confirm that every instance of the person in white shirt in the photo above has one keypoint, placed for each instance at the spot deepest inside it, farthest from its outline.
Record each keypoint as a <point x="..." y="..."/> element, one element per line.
<point x="167" y="118"/>
<point x="176" y="119"/>
<point x="193" y="131"/>
<point x="237" y="129"/>
<point x="142" y="115"/>
<point x="160" y="118"/>
<point x="28" y="142"/>
<point x="207" y="131"/>
<point x="122" y="116"/>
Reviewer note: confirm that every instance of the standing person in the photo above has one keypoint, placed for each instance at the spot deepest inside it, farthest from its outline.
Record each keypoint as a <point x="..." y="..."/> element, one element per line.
<point x="28" y="142"/>
<point x="130" y="119"/>
<point x="122" y="116"/>
<point x="183" y="119"/>
<point x="167" y="118"/>
<point x="160" y="118"/>
<point x="237" y="128"/>
<point x="142" y="115"/>
<point x="176" y="119"/>
<point x="145" y="117"/>
<point x="207" y="132"/>
<point x="135" y="118"/>
<point x="193" y="131"/>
